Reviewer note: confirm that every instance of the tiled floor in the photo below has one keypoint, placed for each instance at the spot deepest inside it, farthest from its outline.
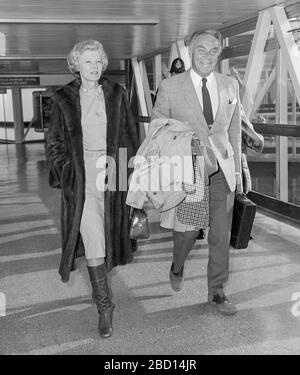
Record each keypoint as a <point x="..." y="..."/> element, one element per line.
<point x="41" y="315"/>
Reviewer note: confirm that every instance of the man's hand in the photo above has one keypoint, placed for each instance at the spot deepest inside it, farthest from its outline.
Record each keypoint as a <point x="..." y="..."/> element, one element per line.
<point x="239" y="183"/>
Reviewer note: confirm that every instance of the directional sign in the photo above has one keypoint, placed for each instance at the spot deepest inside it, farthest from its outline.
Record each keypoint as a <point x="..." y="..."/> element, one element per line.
<point x="19" y="81"/>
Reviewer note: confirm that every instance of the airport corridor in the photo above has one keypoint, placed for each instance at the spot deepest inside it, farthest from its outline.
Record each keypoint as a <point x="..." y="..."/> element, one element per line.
<point x="41" y="315"/>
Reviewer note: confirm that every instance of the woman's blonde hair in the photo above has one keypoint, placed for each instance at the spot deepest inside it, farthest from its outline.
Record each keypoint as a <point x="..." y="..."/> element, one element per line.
<point x="80" y="48"/>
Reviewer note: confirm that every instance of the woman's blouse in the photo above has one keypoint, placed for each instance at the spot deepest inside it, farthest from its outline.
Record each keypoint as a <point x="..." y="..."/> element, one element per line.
<point x="93" y="119"/>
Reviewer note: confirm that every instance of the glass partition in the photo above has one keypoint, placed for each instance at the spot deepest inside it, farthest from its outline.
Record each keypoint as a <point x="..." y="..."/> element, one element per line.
<point x="6" y="116"/>
<point x="276" y="171"/>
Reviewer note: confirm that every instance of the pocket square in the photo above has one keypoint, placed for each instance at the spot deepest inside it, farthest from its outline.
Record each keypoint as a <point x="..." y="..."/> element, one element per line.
<point x="232" y="101"/>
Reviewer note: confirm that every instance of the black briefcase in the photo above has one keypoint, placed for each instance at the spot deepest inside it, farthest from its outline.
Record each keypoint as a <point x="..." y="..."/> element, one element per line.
<point x="243" y="216"/>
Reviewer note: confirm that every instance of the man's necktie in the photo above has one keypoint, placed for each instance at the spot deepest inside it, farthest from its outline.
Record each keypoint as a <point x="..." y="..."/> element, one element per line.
<point x="207" y="108"/>
<point x="213" y="167"/>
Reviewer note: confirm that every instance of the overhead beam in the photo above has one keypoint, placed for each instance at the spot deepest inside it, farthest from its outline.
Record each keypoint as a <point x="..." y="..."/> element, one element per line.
<point x="293" y="9"/>
<point x="238" y="27"/>
<point x="245" y="48"/>
<point x="159" y="51"/>
<point x="34" y="57"/>
<point x="112" y="21"/>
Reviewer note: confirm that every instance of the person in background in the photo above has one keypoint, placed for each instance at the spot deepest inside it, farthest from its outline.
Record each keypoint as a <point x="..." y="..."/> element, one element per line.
<point x="177" y="66"/>
<point x="91" y="121"/>
<point x="209" y="103"/>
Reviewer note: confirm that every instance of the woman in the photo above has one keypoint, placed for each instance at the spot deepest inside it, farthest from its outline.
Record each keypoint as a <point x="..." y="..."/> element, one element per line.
<point x="91" y="120"/>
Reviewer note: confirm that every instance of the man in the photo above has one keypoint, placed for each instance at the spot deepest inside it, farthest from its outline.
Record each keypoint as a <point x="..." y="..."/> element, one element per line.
<point x="178" y="67"/>
<point x="209" y="102"/>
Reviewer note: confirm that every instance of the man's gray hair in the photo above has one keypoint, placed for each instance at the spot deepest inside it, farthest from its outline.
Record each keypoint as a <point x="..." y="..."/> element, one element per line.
<point x="215" y="33"/>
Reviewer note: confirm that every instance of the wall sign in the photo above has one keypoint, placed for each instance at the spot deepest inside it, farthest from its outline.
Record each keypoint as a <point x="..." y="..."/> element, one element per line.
<point x="19" y="81"/>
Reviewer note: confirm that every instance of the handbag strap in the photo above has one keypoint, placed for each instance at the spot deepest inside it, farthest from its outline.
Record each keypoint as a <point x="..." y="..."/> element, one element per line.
<point x="130" y="212"/>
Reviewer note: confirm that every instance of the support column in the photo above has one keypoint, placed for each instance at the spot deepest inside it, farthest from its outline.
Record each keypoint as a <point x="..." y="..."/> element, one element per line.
<point x="184" y="53"/>
<point x="255" y="60"/>
<point x="262" y="93"/>
<point x="291" y="53"/>
<point x="281" y="118"/>
<point x="174" y="53"/>
<point x="128" y="78"/>
<point x="157" y="71"/>
<point x="293" y="122"/>
<point x="224" y="64"/>
<point x="141" y="96"/>
<point x="146" y="87"/>
<point x="18" y="114"/>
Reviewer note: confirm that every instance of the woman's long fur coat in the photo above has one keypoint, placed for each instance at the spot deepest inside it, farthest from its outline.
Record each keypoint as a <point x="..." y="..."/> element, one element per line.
<point x="65" y="151"/>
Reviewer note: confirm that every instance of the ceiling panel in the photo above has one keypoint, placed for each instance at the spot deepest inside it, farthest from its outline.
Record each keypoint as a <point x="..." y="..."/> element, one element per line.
<point x="177" y="19"/>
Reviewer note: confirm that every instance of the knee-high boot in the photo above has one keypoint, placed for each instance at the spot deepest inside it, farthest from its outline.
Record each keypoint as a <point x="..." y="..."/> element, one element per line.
<point x="101" y="296"/>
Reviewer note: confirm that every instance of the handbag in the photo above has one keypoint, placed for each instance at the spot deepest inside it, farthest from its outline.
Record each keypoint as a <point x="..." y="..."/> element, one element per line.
<point x="139" y="227"/>
<point x="243" y="216"/>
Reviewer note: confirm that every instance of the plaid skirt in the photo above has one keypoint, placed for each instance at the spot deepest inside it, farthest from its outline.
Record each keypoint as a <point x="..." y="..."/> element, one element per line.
<point x="194" y="209"/>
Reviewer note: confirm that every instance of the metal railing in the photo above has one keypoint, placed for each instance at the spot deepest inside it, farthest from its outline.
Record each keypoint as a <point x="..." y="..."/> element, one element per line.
<point x="283" y="130"/>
